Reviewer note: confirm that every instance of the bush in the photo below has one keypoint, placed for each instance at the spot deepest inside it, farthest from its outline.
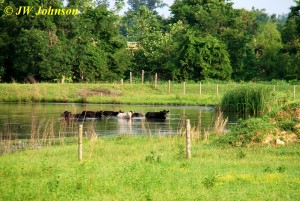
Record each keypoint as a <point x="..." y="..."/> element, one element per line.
<point x="249" y="131"/>
<point x="281" y="122"/>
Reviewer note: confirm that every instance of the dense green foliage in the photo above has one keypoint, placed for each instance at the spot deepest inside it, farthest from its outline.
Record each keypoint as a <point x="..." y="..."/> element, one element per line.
<point x="252" y="99"/>
<point x="281" y="123"/>
<point x="248" y="132"/>
<point x="200" y="40"/>
<point x="83" y="47"/>
<point x="130" y="167"/>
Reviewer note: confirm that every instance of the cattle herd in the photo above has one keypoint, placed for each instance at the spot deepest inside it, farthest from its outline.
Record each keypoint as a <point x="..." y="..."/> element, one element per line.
<point x="66" y="115"/>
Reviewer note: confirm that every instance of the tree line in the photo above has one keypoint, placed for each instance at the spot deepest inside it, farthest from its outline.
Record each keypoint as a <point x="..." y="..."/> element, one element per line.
<point x="201" y="40"/>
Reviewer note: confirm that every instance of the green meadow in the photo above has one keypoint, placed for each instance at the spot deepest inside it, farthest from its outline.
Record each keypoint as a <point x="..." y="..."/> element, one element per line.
<point x="177" y="94"/>
<point x="127" y="167"/>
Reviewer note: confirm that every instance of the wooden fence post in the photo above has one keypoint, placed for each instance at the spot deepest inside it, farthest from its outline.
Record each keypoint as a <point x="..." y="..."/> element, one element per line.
<point x="63" y="79"/>
<point x="169" y="87"/>
<point x="143" y="73"/>
<point x="217" y="89"/>
<point x="80" y="143"/>
<point x="200" y="89"/>
<point x="155" y="82"/>
<point x="183" y="88"/>
<point x="188" y="139"/>
<point x="121" y="81"/>
<point x="130" y="77"/>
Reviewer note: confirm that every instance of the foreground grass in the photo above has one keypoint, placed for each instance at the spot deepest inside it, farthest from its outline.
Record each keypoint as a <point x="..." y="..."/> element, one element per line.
<point x="127" y="93"/>
<point x="151" y="168"/>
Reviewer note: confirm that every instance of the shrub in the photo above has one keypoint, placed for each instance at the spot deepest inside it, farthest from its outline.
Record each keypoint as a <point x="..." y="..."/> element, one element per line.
<point x="281" y="122"/>
<point x="249" y="131"/>
<point x="288" y="126"/>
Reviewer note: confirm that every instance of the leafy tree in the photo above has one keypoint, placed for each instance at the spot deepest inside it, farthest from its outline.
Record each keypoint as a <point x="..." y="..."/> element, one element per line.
<point x="233" y="27"/>
<point x="238" y="39"/>
<point x="137" y="24"/>
<point x="294" y="15"/>
<point x="91" y="64"/>
<point x="30" y="49"/>
<point x="98" y="46"/>
<point x="291" y="38"/>
<point x="82" y="5"/>
<point x="260" y="15"/>
<point x="119" y="4"/>
<point x="159" y="52"/>
<point x="119" y="63"/>
<point x="151" y="5"/>
<point x="207" y="16"/>
<point x="203" y="39"/>
<point x="142" y="26"/>
<point x="56" y="63"/>
<point x="203" y="58"/>
<point x="267" y="47"/>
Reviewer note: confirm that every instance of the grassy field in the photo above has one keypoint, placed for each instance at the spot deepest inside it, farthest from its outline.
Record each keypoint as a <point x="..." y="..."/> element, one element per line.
<point x="129" y="167"/>
<point x="130" y="93"/>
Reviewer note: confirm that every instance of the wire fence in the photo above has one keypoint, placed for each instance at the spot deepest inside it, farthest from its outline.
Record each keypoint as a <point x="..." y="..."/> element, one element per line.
<point x="286" y="90"/>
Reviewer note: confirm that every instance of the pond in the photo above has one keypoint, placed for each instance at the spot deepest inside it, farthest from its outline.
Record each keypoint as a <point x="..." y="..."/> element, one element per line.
<point x="21" y="120"/>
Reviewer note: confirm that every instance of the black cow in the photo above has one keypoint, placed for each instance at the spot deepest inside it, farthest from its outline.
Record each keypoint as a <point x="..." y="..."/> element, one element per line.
<point x="91" y="114"/>
<point x="135" y="114"/>
<point x="85" y="114"/>
<point x="111" y="113"/>
<point x="162" y="115"/>
<point x="68" y="115"/>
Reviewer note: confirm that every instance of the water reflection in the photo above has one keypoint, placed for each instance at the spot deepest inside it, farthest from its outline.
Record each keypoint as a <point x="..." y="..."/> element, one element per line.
<point x="124" y="126"/>
<point x="25" y="120"/>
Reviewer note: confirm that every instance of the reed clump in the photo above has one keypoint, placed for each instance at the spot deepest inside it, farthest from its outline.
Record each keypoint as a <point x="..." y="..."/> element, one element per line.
<point x="252" y="99"/>
<point x="42" y="133"/>
<point x="220" y="124"/>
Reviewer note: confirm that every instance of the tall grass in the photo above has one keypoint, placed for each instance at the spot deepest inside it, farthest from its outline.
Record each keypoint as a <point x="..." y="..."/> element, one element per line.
<point x="43" y="133"/>
<point x="253" y="99"/>
<point x="220" y="124"/>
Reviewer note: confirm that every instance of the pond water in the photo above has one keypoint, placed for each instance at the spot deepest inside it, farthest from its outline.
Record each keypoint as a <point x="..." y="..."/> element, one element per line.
<point x="23" y="119"/>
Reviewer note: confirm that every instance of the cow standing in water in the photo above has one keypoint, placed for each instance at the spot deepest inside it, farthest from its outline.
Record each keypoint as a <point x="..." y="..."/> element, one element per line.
<point x="91" y="114"/>
<point x="162" y="115"/>
<point x="124" y="115"/>
<point x="111" y="113"/>
<point x="136" y="114"/>
<point x="85" y="114"/>
<point x="68" y="116"/>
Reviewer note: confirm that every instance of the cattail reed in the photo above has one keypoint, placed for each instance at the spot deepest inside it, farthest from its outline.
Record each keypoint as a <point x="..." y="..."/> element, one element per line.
<point x="253" y="99"/>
